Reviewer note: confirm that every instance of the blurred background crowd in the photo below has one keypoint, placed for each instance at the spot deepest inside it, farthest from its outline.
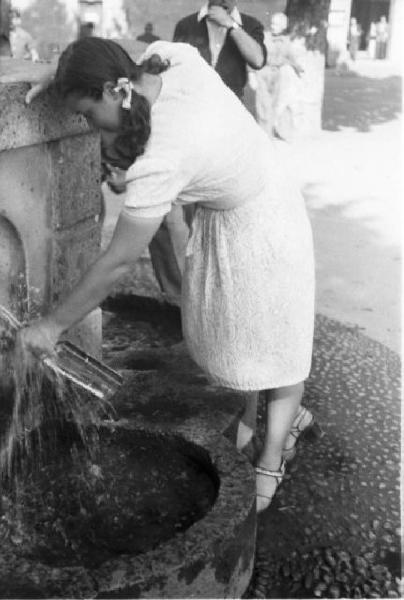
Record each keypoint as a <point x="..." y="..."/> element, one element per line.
<point x="331" y="33"/>
<point x="42" y="28"/>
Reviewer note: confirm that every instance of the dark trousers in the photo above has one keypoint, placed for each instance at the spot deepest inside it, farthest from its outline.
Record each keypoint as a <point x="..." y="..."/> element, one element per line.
<point x="167" y="252"/>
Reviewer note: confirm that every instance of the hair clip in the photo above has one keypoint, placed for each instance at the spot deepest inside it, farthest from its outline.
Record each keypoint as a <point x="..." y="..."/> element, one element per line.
<point x="125" y="85"/>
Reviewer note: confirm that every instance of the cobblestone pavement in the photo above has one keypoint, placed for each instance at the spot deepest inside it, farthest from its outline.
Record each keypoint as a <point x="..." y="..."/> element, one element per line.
<point x="333" y="529"/>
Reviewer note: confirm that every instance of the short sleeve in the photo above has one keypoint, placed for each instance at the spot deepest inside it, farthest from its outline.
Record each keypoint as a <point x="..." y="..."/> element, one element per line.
<point x="152" y="186"/>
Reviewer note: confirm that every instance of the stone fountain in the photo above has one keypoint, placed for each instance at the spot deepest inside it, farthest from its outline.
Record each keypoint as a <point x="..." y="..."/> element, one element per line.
<point x="50" y="200"/>
<point x="50" y="212"/>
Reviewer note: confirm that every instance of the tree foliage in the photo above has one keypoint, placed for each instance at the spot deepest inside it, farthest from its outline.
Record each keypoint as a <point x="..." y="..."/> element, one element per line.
<point x="308" y="19"/>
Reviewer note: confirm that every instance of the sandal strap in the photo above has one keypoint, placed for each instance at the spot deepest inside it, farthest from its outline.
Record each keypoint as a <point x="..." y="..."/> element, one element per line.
<point x="277" y="474"/>
<point x="295" y="430"/>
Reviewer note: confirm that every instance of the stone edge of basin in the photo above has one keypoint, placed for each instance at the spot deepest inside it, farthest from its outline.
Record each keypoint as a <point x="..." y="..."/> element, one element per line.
<point x="214" y="557"/>
<point x="45" y="119"/>
<point x="211" y="559"/>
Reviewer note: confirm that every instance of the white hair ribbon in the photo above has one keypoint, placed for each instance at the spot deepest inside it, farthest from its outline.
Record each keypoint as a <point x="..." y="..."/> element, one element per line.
<point x="125" y="85"/>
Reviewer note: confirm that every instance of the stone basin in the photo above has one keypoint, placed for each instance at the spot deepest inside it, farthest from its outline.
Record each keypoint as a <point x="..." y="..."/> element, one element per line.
<point x="159" y="516"/>
<point x="204" y="548"/>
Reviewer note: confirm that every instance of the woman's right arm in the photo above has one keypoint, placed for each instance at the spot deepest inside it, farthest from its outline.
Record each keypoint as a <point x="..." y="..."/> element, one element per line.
<point x="131" y="236"/>
<point x="41" y="86"/>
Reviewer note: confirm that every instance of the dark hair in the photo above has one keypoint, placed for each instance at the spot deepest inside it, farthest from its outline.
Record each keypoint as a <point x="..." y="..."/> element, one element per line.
<point x="83" y="69"/>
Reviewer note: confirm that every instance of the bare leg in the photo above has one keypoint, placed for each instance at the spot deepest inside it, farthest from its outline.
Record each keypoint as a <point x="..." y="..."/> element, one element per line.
<point x="282" y="405"/>
<point x="248" y="421"/>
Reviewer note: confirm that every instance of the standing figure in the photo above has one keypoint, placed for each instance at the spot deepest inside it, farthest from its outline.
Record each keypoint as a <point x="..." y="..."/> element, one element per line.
<point x="382" y="37"/>
<point x="228" y="40"/>
<point x="148" y="36"/>
<point x="278" y="83"/>
<point x="354" y="38"/>
<point x="21" y="42"/>
<point x="248" y="285"/>
<point x="167" y="248"/>
<point x="371" y="38"/>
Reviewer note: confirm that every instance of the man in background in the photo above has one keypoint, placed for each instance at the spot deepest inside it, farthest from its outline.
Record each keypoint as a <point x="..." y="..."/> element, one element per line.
<point x="382" y="37"/>
<point x="278" y="85"/>
<point x="21" y="42"/>
<point x="354" y="38"/>
<point x="148" y="36"/>
<point x="228" y="40"/>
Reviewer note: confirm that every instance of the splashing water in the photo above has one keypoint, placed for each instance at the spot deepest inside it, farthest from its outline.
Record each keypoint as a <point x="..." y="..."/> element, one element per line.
<point x="44" y="404"/>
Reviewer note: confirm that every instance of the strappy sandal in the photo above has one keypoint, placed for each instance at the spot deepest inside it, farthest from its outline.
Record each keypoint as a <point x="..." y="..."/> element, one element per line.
<point x="302" y="428"/>
<point x="261" y="473"/>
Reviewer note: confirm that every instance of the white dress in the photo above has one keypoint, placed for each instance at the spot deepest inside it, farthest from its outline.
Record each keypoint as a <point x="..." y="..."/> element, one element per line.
<point x="248" y="285"/>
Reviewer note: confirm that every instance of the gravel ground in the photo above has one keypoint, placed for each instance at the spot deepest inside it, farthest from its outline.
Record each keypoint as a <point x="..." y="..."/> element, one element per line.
<point x="334" y="528"/>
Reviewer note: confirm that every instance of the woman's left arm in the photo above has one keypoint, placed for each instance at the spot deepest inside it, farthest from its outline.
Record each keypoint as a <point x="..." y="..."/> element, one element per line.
<point x="131" y="236"/>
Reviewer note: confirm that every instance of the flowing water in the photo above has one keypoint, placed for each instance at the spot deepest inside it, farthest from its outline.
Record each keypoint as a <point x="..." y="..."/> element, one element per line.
<point x="39" y="411"/>
<point x="39" y="395"/>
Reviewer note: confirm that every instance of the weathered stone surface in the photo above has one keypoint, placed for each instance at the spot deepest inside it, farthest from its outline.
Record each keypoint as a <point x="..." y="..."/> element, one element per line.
<point x="45" y="119"/>
<point x="24" y="189"/>
<point x="73" y="250"/>
<point x="13" y="292"/>
<point x="212" y="559"/>
<point x="50" y="198"/>
<point x="76" y="185"/>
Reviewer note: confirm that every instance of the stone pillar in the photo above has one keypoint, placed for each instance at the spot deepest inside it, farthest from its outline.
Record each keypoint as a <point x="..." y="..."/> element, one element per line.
<point x="396" y="26"/>
<point x="338" y="24"/>
<point x="50" y="201"/>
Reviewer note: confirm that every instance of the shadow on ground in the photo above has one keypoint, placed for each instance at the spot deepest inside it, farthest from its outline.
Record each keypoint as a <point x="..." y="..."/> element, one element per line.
<point x="356" y="214"/>
<point x="357" y="101"/>
<point x="358" y="260"/>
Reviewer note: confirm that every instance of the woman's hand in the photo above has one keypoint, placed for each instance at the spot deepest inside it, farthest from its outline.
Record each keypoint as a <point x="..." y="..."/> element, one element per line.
<point x="35" y="91"/>
<point x="40" y="338"/>
<point x="39" y="88"/>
